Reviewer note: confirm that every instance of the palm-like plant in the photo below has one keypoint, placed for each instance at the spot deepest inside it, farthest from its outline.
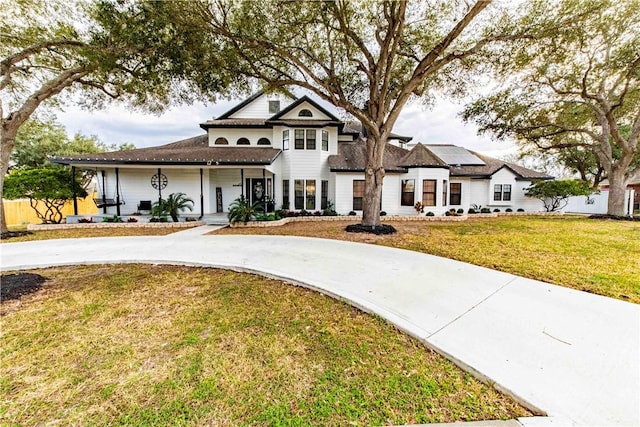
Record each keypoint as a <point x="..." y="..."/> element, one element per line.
<point x="241" y="210"/>
<point x="175" y="203"/>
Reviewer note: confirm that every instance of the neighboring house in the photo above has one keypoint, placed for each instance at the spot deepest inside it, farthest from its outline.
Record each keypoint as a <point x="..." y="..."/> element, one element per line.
<point x="300" y="156"/>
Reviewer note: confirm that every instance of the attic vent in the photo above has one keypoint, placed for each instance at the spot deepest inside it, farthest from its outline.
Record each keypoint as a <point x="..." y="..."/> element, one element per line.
<point x="274" y="107"/>
<point x="305" y="113"/>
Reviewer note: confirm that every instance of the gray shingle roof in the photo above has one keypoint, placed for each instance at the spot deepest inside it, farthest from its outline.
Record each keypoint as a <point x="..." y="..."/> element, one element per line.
<point x="491" y="166"/>
<point x="421" y="156"/>
<point x="190" y="151"/>
<point x="352" y="157"/>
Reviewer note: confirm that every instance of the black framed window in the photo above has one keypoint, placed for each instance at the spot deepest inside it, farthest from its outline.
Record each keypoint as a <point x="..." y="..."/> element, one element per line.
<point x="497" y="192"/>
<point x="311" y="139"/>
<point x="243" y="141"/>
<point x="285" y="139"/>
<point x="299" y="140"/>
<point x="264" y="141"/>
<point x="429" y="192"/>
<point x="324" y="194"/>
<point x="310" y="189"/>
<point x="455" y="193"/>
<point x="299" y="193"/>
<point x="285" y="194"/>
<point x="305" y="113"/>
<point x="506" y="192"/>
<point x="221" y="141"/>
<point x="274" y="107"/>
<point x="325" y="140"/>
<point x="358" y="194"/>
<point x="407" y="192"/>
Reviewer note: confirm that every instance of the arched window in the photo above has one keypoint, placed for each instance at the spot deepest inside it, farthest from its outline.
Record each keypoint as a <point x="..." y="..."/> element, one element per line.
<point x="221" y="141"/>
<point x="264" y="141"/>
<point x="305" y="113"/>
<point x="243" y="141"/>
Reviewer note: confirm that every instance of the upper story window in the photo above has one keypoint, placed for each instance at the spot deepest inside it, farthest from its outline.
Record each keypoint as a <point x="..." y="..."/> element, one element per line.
<point x="221" y="141"/>
<point x="285" y="139"/>
<point x="305" y="139"/>
<point x="325" y="140"/>
<point x="305" y="113"/>
<point x="243" y="141"/>
<point x="274" y="107"/>
<point x="264" y="141"/>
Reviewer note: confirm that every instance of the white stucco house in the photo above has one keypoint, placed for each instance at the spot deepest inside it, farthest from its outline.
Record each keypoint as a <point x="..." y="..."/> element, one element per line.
<point x="301" y="156"/>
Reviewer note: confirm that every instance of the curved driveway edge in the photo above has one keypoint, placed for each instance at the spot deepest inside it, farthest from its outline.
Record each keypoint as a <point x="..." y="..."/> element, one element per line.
<point x="572" y="355"/>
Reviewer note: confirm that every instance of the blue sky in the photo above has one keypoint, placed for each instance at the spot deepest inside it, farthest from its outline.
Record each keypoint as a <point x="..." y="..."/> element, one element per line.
<point x="439" y="124"/>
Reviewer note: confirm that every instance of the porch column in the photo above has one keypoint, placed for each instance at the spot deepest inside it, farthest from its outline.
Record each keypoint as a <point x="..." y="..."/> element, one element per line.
<point x="201" y="194"/>
<point x="159" y="187"/>
<point x="75" y="194"/>
<point x="242" y="182"/>
<point x="118" y="191"/>
<point x="264" y="198"/>
<point x="273" y="189"/>
<point x="104" y="193"/>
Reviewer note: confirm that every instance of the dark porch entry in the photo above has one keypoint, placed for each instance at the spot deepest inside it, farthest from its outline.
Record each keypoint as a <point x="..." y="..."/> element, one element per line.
<point x="259" y="190"/>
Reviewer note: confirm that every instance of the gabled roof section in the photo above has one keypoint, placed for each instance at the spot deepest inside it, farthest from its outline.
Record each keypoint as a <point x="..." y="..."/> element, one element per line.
<point x="491" y="166"/>
<point x="190" y="151"/>
<point x="352" y="157"/>
<point x="421" y="157"/>
<point x="300" y="101"/>
<point x="241" y="105"/>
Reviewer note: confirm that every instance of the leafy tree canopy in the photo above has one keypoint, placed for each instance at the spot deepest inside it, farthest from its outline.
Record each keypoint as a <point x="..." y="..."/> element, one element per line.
<point x="575" y="90"/>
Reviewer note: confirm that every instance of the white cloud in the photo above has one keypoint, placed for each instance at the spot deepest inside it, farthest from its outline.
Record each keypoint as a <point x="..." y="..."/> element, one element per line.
<point x="439" y="124"/>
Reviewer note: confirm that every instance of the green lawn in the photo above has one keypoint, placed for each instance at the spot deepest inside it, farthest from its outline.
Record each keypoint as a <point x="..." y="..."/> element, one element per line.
<point x="599" y="256"/>
<point x="166" y="345"/>
<point x="89" y="232"/>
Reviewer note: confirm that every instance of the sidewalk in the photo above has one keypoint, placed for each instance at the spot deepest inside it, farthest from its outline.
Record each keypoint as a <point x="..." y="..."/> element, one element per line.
<point x="572" y="355"/>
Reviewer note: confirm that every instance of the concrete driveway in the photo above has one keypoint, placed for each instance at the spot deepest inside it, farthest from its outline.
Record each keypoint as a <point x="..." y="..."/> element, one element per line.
<point x="570" y="355"/>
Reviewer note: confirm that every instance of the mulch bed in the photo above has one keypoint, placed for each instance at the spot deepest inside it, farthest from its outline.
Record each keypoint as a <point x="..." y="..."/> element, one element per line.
<point x="16" y="285"/>
<point x="10" y="234"/>
<point x="377" y="229"/>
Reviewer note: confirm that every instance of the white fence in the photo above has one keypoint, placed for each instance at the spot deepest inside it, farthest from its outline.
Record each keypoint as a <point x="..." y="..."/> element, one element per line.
<point x="597" y="203"/>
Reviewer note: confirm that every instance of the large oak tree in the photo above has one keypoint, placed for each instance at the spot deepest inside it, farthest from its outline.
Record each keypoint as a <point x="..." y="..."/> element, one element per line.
<point x="575" y="91"/>
<point x="52" y="50"/>
<point x="368" y="58"/>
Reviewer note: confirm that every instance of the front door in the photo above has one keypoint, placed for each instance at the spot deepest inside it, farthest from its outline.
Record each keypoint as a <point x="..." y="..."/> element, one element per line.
<point x="256" y="190"/>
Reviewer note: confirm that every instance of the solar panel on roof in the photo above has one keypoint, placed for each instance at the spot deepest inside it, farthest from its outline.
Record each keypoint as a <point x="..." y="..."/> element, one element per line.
<point x="454" y="155"/>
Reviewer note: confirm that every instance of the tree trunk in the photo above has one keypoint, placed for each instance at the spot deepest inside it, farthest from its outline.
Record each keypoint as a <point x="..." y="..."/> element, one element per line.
<point x="7" y="141"/>
<point x="373" y="178"/>
<point x="617" y="191"/>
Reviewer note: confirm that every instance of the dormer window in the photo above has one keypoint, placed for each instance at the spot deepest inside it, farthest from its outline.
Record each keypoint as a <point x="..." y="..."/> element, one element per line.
<point x="274" y="107"/>
<point x="264" y="141"/>
<point x="243" y="141"/>
<point x="305" y="113"/>
<point x="221" y="141"/>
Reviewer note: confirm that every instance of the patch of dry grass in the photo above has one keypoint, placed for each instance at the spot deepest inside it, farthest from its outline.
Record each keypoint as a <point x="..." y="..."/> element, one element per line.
<point x="149" y="345"/>
<point x="598" y="256"/>
<point x="92" y="232"/>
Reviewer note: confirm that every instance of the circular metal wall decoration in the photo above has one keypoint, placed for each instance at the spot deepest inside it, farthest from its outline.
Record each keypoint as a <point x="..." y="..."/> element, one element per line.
<point x="159" y="181"/>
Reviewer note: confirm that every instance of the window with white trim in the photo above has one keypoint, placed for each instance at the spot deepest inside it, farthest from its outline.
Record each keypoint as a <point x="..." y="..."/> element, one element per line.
<point x="502" y="192"/>
<point x="285" y="139"/>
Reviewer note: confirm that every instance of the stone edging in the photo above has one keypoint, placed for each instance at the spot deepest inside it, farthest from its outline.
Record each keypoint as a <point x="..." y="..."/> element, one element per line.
<point x="185" y="224"/>
<point x="283" y="221"/>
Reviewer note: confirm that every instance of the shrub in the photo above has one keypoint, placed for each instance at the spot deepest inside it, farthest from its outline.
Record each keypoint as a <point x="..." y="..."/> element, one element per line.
<point x="496" y="210"/>
<point x="175" y="203"/>
<point x="430" y="214"/>
<point x="190" y="219"/>
<point x="485" y="210"/>
<point x="330" y="209"/>
<point x="282" y="213"/>
<point x="352" y="213"/>
<point x="460" y="211"/>
<point x="132" y="219"/>
<point x="85" y="220"/>
<point x="472" y="211"/>
<point x="520" y="210"/>
<point x="508" y="210"/>
<point x="555" y="194"/>
<point x="241" y="210"/>
<point x="317" y="213"/>
<point x="419" y="207"/>
<point x="383" y="213"/>
<point x="304" y="212"/>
